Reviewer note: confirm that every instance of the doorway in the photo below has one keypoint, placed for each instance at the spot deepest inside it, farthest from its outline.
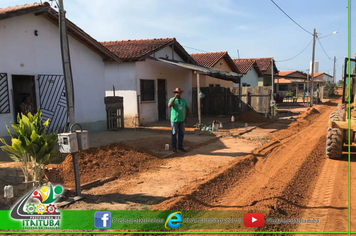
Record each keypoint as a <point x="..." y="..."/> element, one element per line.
<point x="23" y="86"/>
<point x="162" y="99"/>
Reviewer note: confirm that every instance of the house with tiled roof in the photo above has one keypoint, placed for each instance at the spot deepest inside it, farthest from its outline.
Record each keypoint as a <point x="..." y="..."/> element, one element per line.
<point x="217" y="60"/>
<point x="145" y="79"/>
<point x="265" y="66"/>
<point x="31" y="66"/>
<point x="250" y="70"/>
<point x="322" y="77"/>
<point x="286" y="81"/>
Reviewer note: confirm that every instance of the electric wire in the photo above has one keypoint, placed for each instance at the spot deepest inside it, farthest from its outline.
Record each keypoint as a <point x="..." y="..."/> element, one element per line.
<point x="298" y="53"/>
<point x="194" y="48"/>
<point x="324" y="49"/>
<point x="291" y="18"/>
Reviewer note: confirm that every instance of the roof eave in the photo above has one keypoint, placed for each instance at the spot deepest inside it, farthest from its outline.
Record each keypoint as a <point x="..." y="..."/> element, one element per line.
<point x="79" y="34"/>
<point x="52" y="15"/>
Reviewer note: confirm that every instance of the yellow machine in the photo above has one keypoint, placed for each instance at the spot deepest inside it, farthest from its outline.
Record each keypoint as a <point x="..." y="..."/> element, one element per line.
<point x="337" y="131"/>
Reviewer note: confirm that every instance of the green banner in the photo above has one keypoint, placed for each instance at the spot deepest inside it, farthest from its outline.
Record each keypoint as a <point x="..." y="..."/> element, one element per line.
<point x="134" y="220"/>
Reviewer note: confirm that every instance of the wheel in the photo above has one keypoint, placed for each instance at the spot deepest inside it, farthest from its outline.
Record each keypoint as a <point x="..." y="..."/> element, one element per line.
<point x="335" y="136"/>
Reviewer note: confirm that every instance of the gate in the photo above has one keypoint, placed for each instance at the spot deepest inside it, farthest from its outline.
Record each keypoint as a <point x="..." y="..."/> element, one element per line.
<point x="4" y="94"/>
<point x="216" y="101"/>
<point x="53" y="101"/>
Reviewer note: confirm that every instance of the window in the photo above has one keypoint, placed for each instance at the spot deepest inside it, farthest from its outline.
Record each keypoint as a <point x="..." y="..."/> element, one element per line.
<point x="283" y="87"/>
<point x="147" y="90"/>
<point x="217" y="85"/>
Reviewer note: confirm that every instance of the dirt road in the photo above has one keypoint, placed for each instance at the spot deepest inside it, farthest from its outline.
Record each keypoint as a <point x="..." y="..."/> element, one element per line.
<point x="289" y="179"/>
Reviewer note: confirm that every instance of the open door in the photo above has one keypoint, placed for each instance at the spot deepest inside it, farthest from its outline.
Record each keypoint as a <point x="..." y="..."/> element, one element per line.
<point x="162" y="99"/>
<point x="23" y="86"/>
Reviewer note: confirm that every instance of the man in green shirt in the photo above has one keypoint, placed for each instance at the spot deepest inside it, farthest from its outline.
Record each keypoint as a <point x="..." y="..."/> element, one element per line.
<point x="179" y="114"/>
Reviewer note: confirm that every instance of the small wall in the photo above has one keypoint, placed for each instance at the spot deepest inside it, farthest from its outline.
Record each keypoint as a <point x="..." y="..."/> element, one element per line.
<point x="14" y="177"/>
<point x="258" y="98"/>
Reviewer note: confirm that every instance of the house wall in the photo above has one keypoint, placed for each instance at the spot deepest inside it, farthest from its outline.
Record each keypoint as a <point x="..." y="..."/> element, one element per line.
<point x="123" y="77"/>
<point x="267" y="80"/>
<point x="260" y="81"/>
<point x="23" y="53"/>
<point x="205" y="81"/>
<point x="167" y="53"/>
<point x="327" y="78"/>
<point x="174" y="76"/>
<point x="251" y="78"/>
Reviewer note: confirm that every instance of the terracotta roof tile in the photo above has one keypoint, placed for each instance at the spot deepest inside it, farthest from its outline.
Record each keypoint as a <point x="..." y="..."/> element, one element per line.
<point x="284" y="73"/>
<point x="262" y="62"/>
<point x="282" y="81"/>
<point x="289" y="77"/>
<point x="133" y="50"/>
<point x="208" y="59"/>
<point x="5" y="12"/>
<point x="243" y="65"/>
<point x="317" y="74"/>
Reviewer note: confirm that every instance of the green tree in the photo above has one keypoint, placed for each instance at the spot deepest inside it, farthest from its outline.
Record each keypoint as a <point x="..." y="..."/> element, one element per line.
<point x="31" y="145"/>
<point x="330" y="89"/>
<point x="289" y="94"/>
<point x="340" y="84"/>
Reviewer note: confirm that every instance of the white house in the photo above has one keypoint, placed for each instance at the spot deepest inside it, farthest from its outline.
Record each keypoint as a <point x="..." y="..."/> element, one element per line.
<point x="250" y="70"/>
<point x="264" y="64"/>
<point x="151" y="70"/>
<point x="322" y="77"/>
<point x="31" y="65"/>
<point x="146" y="83"/>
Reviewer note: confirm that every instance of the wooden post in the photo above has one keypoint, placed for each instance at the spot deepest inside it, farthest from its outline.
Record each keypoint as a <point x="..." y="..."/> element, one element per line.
<point x="272" y="108"/>
<point x="240" y="97"/>
<point x="198" y="97"/>
<point x="297" y="91"/>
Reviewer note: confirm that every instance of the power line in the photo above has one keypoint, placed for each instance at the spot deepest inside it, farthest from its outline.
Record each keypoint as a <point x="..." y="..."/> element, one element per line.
<point x="297" y="54"/>
<point x="194" y="49"/>
<point x="324" y="49"/>
<point x="291" y="18"/>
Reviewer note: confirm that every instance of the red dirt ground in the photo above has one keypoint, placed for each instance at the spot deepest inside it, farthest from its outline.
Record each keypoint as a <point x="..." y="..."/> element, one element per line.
<point x="113" y="160"/>
<point x="252" y="117"/>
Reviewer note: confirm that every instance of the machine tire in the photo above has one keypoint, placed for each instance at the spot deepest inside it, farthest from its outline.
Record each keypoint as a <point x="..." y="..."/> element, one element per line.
<point x="335" y="136"/>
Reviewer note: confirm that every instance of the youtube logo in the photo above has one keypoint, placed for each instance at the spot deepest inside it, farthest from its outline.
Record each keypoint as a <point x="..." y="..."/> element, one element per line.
<point x="254" y="220"/>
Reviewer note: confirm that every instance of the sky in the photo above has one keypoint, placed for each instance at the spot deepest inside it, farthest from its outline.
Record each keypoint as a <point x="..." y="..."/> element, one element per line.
<point x="256" y="28"/>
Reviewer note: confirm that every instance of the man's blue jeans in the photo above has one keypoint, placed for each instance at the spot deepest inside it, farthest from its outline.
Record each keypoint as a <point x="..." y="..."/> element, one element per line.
<point x="177" y="128"/>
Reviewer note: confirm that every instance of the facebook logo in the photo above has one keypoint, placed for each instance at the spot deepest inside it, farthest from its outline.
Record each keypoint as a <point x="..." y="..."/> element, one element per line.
<point x="102" y="219"/>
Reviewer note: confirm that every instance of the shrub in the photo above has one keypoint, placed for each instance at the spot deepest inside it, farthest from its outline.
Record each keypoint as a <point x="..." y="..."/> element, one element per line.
<point x="31" y="145"/>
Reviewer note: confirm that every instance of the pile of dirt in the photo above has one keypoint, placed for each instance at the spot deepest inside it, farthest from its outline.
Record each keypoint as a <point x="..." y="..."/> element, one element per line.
<point x="303" y="120"/>
<point x="309" y="112"/>
<point x="114" y="160"/>
<point x="252" y="117"/>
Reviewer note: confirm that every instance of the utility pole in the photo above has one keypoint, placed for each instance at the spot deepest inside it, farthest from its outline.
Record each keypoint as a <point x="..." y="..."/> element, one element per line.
<point x="308" y="87"/>
<point x="312" y="72"/>
<point x="272" y="78"/>
<point x="68" y="81"/>
<point x="334" y="69"/>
